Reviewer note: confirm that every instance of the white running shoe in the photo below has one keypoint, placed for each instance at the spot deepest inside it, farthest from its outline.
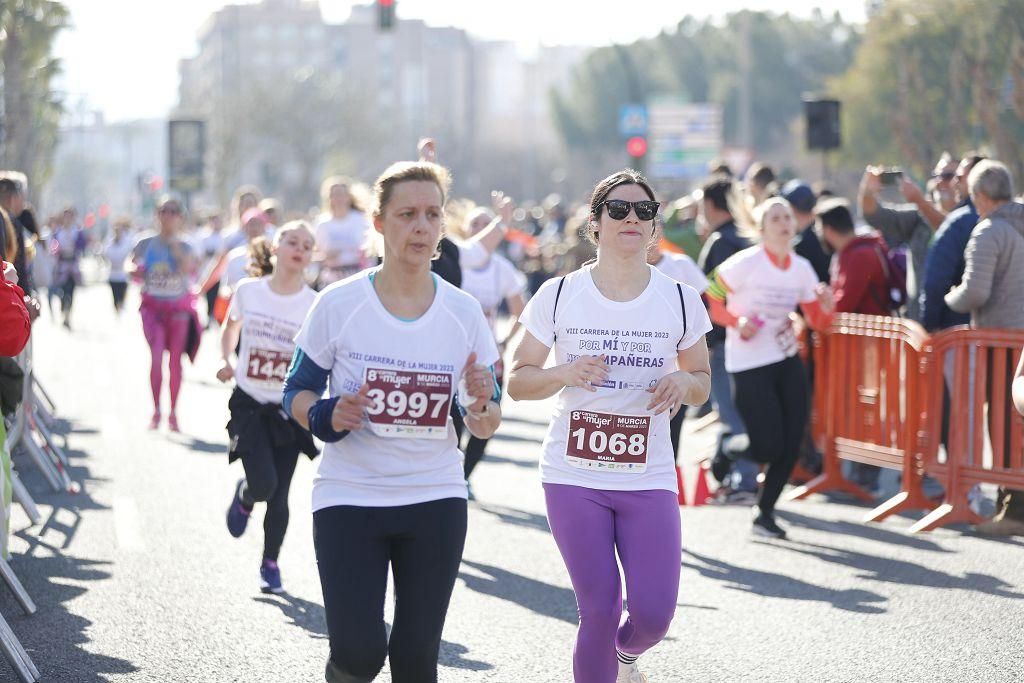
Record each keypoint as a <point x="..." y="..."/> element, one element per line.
<point x="630" y="673"/>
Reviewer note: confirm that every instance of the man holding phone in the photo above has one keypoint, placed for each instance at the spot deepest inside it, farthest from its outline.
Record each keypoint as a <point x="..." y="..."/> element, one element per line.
<point x="911" y="224"/>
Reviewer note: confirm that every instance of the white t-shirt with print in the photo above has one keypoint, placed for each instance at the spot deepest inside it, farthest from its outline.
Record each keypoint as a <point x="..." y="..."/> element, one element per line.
<point x="758" y="287"/>
<point x="270" y="322"/>
<point x="681" y="268"/>
<point x="345" y="235"/>
<point x="236" y="269"/>
<point x="492" y="284"/>
<point x="406" y="451"/>
<point x="640" y="339"/>
<point x="117" y="252"/>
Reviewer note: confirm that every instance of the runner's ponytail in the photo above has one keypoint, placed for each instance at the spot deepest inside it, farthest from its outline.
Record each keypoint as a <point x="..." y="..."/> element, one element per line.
<point x="260" y="253"/>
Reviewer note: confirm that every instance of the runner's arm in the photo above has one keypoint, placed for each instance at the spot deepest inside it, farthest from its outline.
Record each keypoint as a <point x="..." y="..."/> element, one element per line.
<point x="303" y="388"/>
<point x="696" y="365"/>
<point x="229" y="339"/>
<point x="516" y="304"/>
<point x="484" y="423"/>
<point x="1018" y="387"/>
<point x="531" y="381"/>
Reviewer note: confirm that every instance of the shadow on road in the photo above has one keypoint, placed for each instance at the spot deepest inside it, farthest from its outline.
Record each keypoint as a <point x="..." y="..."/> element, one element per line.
<point x="524" y="420"/>
<point x="867" y="530"/>
<point x="201" y="446"/>
<point x="302" y="613"/>
<point x="523" y="518"/>
<point x="502" y="460"/>
<point x="890" y="570"/>
<point x="311" y="617"/>
<point x="54" y="636"/>
<point x="65" y="506"/>
<point x="534" y="595"/>
<point x="767" y="584"/>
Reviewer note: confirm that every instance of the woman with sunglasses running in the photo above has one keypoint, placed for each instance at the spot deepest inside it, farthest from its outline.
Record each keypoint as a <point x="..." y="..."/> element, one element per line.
<point x="399" y="346"/>
<point x="630" y="352"/>
<point x="753" y="295"/>
<point x="266" y="312"/>
<point x="166" y="264"/>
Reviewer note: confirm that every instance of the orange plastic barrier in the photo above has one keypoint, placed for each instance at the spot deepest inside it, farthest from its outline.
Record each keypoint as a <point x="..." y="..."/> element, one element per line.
<point x="868" y="407"/>
<point x="983" y="365"/>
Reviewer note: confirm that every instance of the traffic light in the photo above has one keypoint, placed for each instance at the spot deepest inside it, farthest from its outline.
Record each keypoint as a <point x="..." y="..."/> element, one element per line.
<point x="386" y="14"/>
<point x="636" y="146"/>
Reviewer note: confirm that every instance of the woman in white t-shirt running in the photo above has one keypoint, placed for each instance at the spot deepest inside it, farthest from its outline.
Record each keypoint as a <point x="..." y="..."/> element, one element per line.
<point x="680" y="268"/>
<point x="629" y="353"/>
<point x="398" y="344"/>
<point x="116" y="252"/>
<point x="266" y="312"/>
<point x="754" y="294"/>
<point x="497" y="281"/>
<point x="341" y="232"/>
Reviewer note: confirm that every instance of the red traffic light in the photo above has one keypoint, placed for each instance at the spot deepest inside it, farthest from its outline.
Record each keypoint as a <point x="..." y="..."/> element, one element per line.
<point x="636" y="147"/>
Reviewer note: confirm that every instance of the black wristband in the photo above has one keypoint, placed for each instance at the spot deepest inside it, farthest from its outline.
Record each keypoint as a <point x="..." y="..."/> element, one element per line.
<point x="319" y="417"/>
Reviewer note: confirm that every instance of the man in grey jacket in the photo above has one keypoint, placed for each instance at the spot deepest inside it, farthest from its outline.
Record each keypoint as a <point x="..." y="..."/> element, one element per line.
<point x="992" y="291"/>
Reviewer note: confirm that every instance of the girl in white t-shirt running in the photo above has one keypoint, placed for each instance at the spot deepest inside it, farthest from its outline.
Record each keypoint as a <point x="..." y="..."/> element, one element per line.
<point x="754" y="294"/>
<point x="266" y="312"/>
<point x="680" y="268"/>
<point x="398" y="344"/>
<point x="629" y="353"/>
<point x="341" y="232"/>
<point x="495" y="282"/>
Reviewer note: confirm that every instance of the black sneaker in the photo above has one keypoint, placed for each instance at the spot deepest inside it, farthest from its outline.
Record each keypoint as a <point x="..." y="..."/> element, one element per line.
<point x="766" y="526"/>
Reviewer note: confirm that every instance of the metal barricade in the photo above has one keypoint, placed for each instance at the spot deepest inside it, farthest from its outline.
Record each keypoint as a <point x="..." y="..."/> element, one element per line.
<point x="986" y="435"/>
<point x="867" y="389"/>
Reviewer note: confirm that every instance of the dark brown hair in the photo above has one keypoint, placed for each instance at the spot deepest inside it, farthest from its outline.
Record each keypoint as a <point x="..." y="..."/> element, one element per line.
<point x="260" y="254"/>
<point x="406" y="171"/>
<point x="626" y="176"/>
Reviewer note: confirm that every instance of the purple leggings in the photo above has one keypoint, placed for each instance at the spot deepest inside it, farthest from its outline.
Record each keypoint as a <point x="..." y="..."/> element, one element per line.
<point x="589" y="525"/>
<point x="166" y="329"/>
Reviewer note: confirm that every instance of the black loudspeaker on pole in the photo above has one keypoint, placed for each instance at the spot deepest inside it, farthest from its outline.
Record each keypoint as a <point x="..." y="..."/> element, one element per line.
<point x="822" y="119"/>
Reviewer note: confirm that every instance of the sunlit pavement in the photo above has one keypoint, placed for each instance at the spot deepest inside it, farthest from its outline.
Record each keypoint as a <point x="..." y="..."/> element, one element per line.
<point x="137" y="579"/>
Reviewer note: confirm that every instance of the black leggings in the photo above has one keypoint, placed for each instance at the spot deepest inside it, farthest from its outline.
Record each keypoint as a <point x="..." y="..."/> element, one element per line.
<point x="211" y="302"/>
<point x="268" y="477"/>
<point x="423" y="545"/>
<point x="774" y="402"/>
<point x="676" y="430"/>
<point x="118" y="290"/>
<point x="67" y="296"/>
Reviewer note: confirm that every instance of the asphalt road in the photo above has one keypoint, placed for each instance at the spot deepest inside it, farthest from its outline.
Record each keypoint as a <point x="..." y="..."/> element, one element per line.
<point x="136" y="578"/>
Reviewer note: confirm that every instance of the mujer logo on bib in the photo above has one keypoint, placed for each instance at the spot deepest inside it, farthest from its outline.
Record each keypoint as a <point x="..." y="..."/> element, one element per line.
<point x="409" y="404"/>
<point x="608" y="441"/>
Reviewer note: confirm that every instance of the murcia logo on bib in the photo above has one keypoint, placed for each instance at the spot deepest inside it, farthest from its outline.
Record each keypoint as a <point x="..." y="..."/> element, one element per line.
<point x="409" y="404"/>
<point x="605" y="441"/>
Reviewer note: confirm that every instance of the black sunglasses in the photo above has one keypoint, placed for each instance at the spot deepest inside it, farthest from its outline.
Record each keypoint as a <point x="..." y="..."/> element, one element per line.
<point x="945" y="175"/>
<point x="174" y="210"/>
<point x="619" y="209"/>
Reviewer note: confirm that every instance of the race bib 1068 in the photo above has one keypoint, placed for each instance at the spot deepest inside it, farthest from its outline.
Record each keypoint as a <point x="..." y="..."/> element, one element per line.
<point x="607" y="441"/>
<point x="409" y="404"/>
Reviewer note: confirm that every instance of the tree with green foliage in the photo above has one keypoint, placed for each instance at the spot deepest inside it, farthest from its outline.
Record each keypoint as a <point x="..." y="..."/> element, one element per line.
<point x="31" y="109"/>
<point x="702" y="60"/>
<point x="936" y="76"/>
